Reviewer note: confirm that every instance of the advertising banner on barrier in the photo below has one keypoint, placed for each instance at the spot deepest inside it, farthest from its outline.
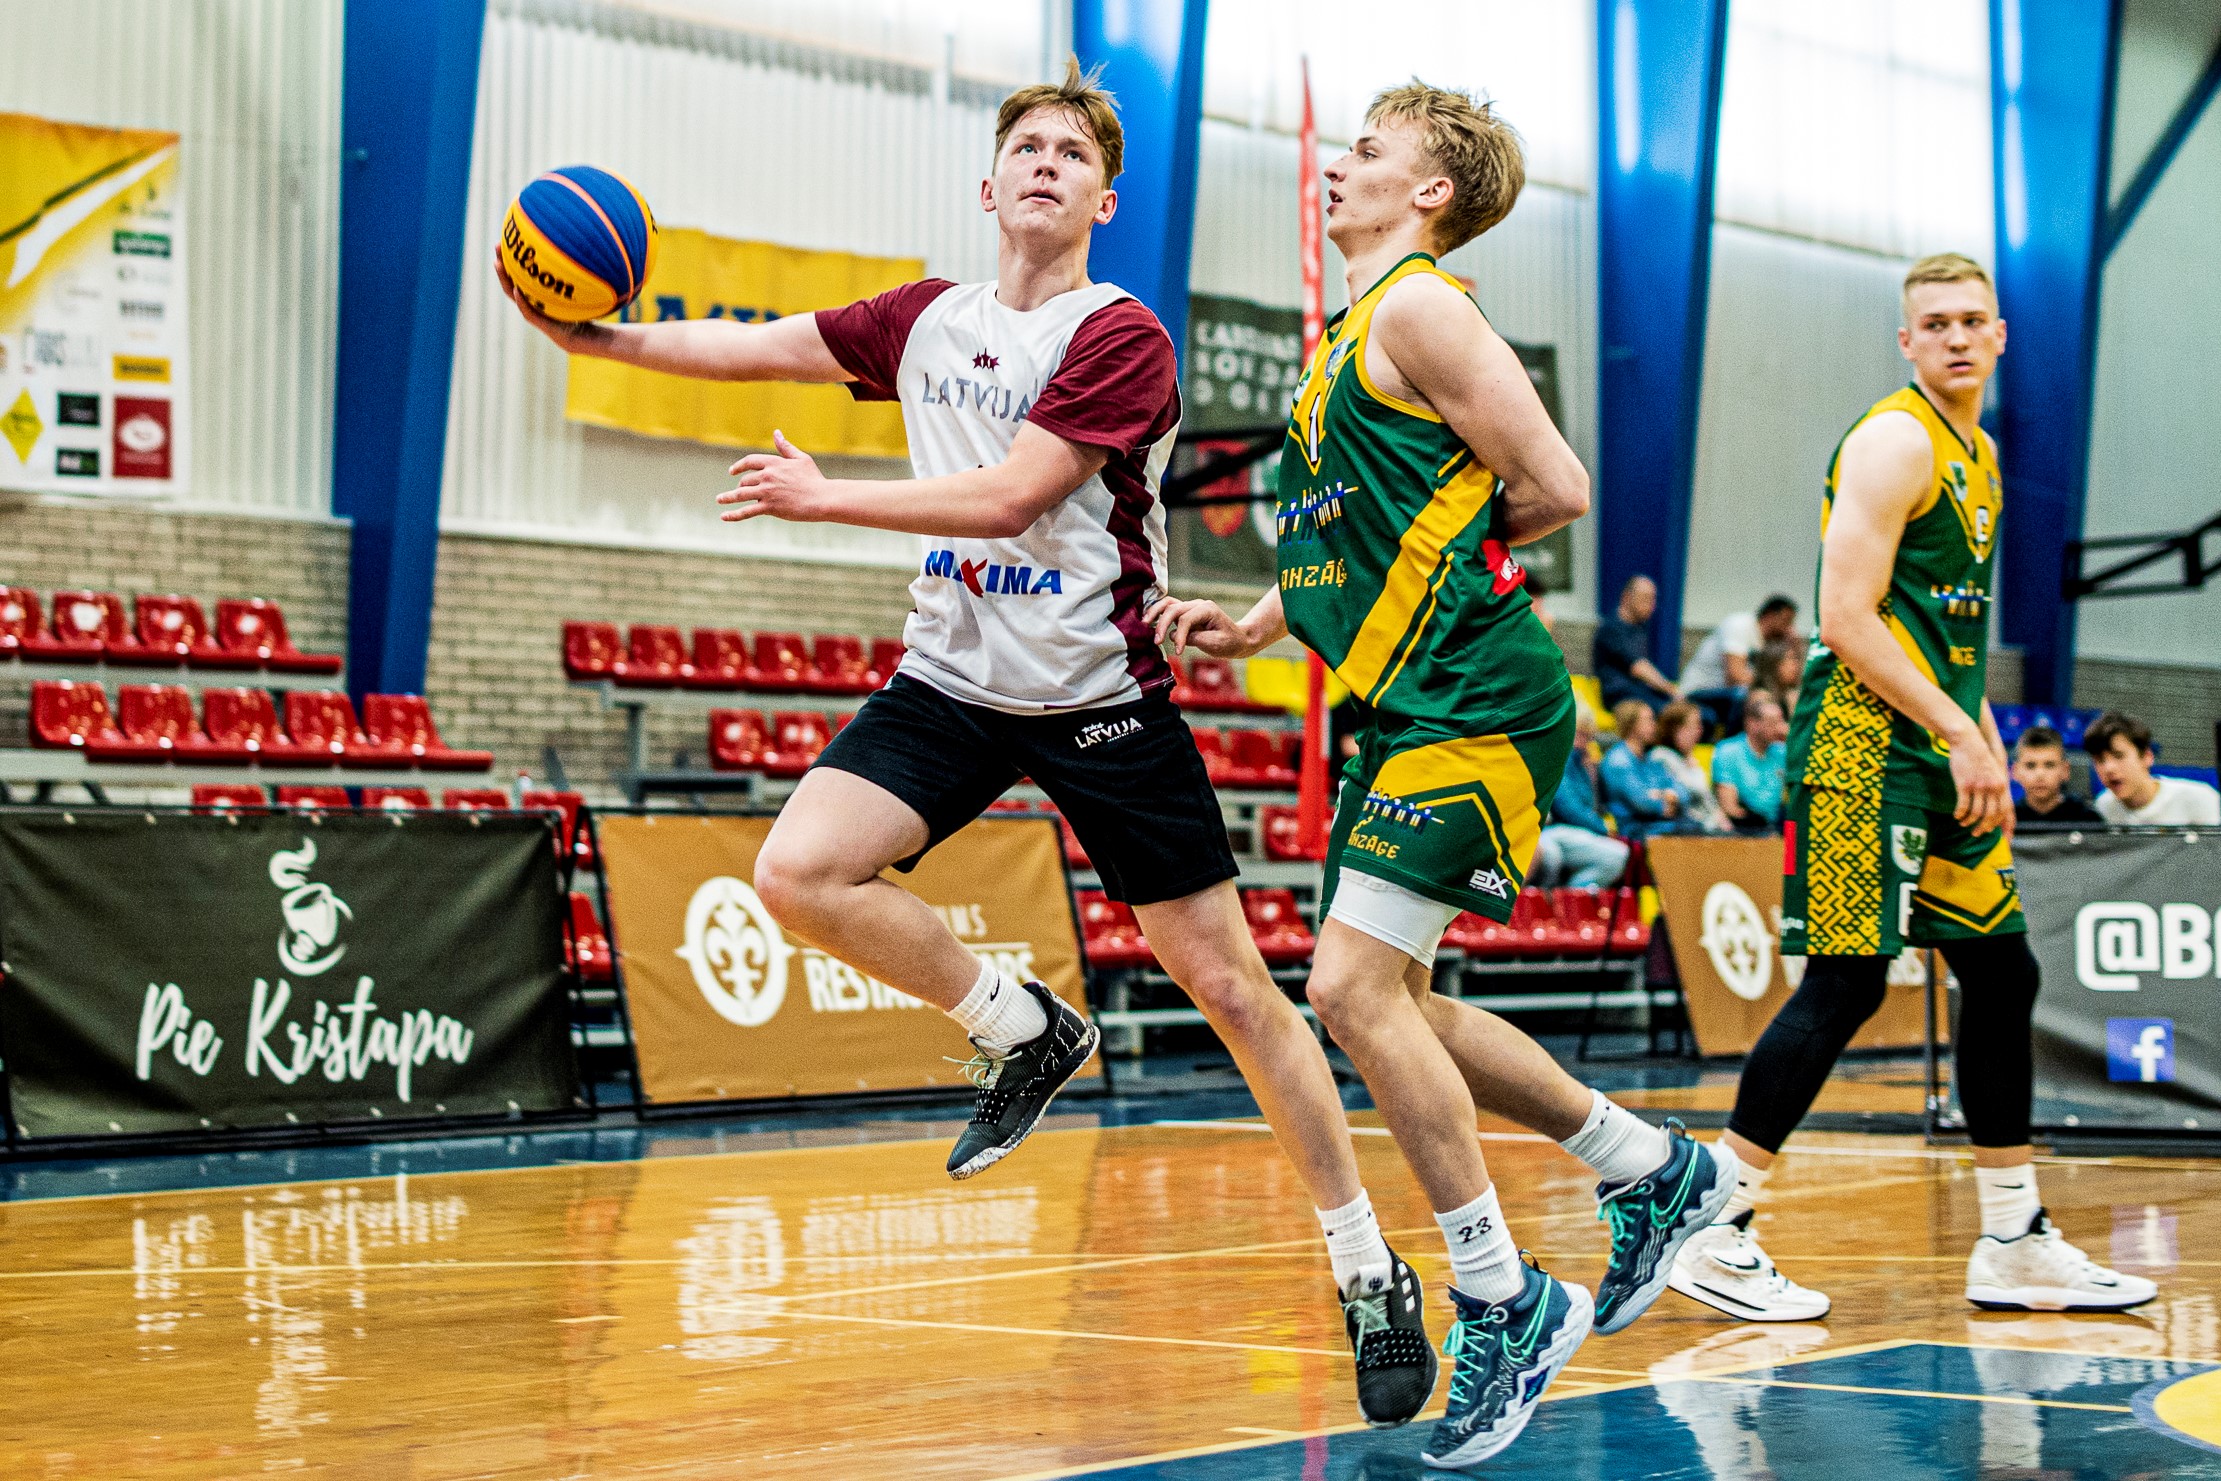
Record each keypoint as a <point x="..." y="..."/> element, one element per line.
<point x="1722" y="902"/>
<point x="174" y="973"/>
<point x="92" y="309"/>
<point x="726" y="1006"/>
<point x="2128" y="1026"/>
<point x="701" y="276"/>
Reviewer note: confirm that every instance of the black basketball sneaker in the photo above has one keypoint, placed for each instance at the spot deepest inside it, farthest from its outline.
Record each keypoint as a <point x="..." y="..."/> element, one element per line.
<point x="1396" y="1365"/>
<point x="1017" y="1086"/>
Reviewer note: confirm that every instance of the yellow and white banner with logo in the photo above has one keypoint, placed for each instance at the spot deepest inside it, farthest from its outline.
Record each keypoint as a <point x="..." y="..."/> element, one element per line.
<point x="93" y="381"/>
<point x="725" y="1005"/>
<point x="700" y="276"/>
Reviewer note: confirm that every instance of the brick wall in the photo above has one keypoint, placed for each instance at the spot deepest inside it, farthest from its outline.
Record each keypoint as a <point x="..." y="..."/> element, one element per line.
<point x="495" y="675"/>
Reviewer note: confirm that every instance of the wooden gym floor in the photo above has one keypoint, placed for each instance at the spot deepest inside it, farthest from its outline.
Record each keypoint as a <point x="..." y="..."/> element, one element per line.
<point x="1138" y="1300"/>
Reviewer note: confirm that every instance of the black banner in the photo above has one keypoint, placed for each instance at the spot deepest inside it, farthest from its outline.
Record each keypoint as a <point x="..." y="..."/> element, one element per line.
<point x="177" y="973"/>
<point x="2128" y="1026"/>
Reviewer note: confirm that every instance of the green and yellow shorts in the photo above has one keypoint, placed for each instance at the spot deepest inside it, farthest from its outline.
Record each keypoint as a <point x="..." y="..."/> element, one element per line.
<point x="1453" y="818"/>
<point x="1867" y="876"/>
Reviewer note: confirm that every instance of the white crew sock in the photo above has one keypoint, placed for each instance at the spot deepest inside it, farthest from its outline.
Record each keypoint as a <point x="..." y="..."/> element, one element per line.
<point x="1618" y="1144"/>
<point x="1749" y="1183"/>
<point x="1353" y="1243"/>
<point x="998" y="1014"/>
<point x="2008" y="1198"/>
<point x="1484" y="1263"/>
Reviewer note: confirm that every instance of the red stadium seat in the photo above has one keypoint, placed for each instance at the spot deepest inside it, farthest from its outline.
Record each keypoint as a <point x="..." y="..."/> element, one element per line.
<point x="1259" y="758"/>
<point x="158" y="725"/>
<point x="657" y="657"/>
<point x="738" y="740"/>
<point x="69" y="715"/>
<point x="1629" y="936"/>
<point x="322" y="722"/>
<point x="1112" y="935"/>
<point x="1283" y="834"/>
<point x="591" y="650"/>
<point x="1075" y="853"/>
<point x="781" y="663"/>
<point x="87" y="625"/>
<point x="796" y="738"/>
<point x="312" y="798"/>
<point x="174" y="629"/>
<point x="474" y="799"/>
<point x="720" y="659"/>
<point x="1277" y="926"/>
<point x="403" y="723"/>
<point x="1216" y="764"/>
<point x="886" y="657"/>
<point x="1476" y="936"/>
<point x="21" y="617"/>
<point x="254" y="629"/>
<point x="841" y="665"/>
<point x="1533" y="928"/>
<point x="1212" y="684"/>
<point x="242" y="725"/>
<point x="571" y="840"/>
<point x="396" y="799"/>
<point x="224" y="796"/>
<point x="1584" y="919"/>
<point x="591" y="956"/>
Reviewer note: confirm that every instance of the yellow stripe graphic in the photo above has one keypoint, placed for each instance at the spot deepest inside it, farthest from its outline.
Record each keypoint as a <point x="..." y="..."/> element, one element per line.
<point x="1411" y="580"/>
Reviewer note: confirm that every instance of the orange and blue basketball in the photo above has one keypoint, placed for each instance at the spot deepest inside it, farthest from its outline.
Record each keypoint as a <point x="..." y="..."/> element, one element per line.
<point x="578" y="243"/>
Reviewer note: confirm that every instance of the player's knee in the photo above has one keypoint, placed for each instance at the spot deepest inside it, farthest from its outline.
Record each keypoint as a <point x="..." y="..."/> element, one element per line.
<point x="1998" y="976"/>
<point x="1241" y="1003"/>
<point x="1341" y="999"/>
<point x="1838" y="994"/>
<point x="793" y="883"/>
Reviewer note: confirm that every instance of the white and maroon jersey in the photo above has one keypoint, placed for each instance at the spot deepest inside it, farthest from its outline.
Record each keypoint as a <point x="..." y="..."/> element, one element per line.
<point x="1052" y="618"/>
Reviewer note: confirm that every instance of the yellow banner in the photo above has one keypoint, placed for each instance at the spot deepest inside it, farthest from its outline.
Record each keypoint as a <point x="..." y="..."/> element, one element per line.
<point x="700" y="276"/>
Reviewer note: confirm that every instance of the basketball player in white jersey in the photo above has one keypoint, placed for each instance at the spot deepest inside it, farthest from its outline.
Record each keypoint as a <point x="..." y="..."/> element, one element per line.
<point x="1041" y="410"/>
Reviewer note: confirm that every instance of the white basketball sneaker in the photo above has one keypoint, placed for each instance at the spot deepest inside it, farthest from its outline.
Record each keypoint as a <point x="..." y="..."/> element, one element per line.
<point x="2040" y="1271"/>
<point x="1723" y="1267"/>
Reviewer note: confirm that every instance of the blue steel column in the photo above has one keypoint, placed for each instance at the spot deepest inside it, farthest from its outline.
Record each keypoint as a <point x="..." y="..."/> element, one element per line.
<point x="1152" y="57"/>
<point x="1659" y="64"/>
<point x="411" y="92"/>
<point x="2052" y="65"/>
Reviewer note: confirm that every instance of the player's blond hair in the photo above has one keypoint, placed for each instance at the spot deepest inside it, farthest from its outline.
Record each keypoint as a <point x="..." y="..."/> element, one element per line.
<point x="1079" y="95"/>
<point x="1463" y="138"/>
<point x="1943" y="267"/>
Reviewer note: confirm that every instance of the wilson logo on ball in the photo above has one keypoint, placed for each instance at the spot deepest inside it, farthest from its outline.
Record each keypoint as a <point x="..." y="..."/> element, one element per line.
<point x="578" y="243"/>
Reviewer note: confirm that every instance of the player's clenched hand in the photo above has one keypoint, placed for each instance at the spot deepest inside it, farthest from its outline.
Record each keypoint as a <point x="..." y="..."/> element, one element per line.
<point x="1201" y="625"/>
<point x="784" y="482"/>
<point x="575" y="339"/>
<point x="1985" y="800"/>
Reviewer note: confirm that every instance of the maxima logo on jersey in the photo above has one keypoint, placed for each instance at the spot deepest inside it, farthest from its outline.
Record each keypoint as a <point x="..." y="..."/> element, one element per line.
<point x="990" y="578"/>
<point x="2117" y="943"/>
<point x="2140" y="1050"/>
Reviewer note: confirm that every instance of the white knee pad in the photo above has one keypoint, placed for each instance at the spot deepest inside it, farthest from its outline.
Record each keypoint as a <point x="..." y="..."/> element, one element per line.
<point x="1392" y="914"/>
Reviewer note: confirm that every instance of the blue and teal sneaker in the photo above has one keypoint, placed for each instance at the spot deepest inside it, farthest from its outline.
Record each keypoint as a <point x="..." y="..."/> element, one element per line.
<point x="1653" y="1217"/>
<point x="1503" y="1355"/>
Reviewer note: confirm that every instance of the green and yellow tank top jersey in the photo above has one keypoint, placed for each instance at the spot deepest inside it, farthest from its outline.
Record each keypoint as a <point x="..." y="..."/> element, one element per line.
<point x="1938" y="606"/>
<point x="1394" y="567"/>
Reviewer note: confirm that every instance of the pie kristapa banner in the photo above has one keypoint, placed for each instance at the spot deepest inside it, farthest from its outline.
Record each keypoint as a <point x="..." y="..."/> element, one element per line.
<point x="726" y="1006"/>
<point x="177" y="973"/>
<point x="92" y="309"/>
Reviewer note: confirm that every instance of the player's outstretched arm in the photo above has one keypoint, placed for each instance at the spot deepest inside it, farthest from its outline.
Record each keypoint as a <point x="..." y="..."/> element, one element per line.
<point x="1440" y="344"/>
<point x="1881" y="476"/>
<point x="788" y="349"/>
<point x="986" y="503"/>
<point x="1206" y="627"/>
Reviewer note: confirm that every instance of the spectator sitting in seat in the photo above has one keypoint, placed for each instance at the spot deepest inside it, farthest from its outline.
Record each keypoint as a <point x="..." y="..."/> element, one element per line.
<point x="1721" y="672"/>
<point x="1621" y="650"/>
<point x="1680" y="732"/>
<point x="2120" y="748"/>
<point x="1781" y="672"/>
<point x="1641" y="799"/>
<point x="2040" y="766"/>
<point x="1577" y="848"/>
<point x="1747" y="768"/>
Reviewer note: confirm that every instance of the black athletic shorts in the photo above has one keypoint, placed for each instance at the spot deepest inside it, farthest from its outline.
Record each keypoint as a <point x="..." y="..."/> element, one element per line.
<point x="1127" y="777"/>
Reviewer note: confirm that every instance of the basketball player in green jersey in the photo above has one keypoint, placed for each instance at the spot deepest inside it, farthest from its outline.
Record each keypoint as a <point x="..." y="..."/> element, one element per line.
<point x="1417" y="455"/>
<point x="1898" y="823"/>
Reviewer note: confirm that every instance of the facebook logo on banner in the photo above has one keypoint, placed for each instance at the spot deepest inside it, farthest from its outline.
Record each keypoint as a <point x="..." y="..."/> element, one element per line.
<point x="2140" y="1049"/>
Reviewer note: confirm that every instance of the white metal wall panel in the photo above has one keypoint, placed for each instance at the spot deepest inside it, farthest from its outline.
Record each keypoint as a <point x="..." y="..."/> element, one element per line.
<point x="1799" y="339"/>
<point x="253" y="86"/>
<point x="735" y="134"/>
<point x="2154" y="438"/>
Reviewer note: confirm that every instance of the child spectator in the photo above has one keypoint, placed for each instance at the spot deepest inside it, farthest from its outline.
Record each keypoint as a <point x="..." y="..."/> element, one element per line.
<point x="2040" y="766"/>
<point x="2120" y="748"/>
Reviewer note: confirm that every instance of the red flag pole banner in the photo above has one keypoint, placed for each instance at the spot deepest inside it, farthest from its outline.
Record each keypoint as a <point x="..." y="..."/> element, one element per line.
<point x="1314" y="808"/>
